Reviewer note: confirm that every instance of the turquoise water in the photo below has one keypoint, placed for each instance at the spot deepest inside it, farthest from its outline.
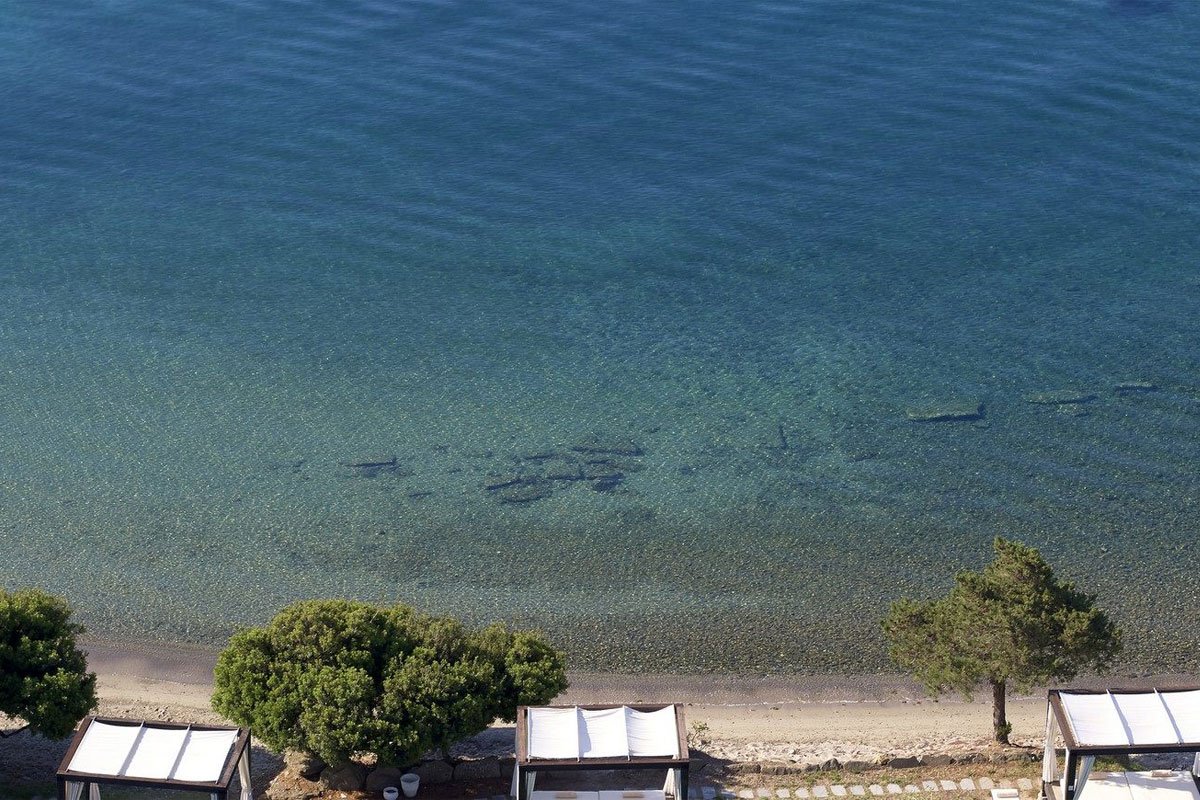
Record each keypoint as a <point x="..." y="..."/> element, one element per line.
<point x="245" y="243"/>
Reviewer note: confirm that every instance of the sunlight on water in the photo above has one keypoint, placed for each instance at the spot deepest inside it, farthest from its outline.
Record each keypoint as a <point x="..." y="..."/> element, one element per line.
<point x="610" y="321"/>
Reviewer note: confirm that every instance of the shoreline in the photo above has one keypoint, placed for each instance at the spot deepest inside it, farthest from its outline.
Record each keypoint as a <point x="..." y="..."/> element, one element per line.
<point x="881" y="712"/>
<point x="740" y="723"/>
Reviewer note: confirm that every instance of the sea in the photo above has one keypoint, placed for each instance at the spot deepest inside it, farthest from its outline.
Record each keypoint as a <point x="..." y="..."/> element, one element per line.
<point x="692" y="334"/>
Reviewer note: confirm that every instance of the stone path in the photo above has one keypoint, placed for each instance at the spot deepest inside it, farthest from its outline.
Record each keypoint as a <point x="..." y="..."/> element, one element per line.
<point x="821" y="791"/>
<point x="1025" y="786"/>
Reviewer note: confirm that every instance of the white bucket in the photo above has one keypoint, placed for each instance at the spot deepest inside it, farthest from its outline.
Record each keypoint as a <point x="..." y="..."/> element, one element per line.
<point x="391" y="793"/>
<point x="409" y="782"/>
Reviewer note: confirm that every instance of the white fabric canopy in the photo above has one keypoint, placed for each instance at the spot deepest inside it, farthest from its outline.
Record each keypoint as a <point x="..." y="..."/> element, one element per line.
<point x="653" y="733"/>
<point x="1133" y="718"/>
<point x="622" y="732"/>
<point x="143" y="751"/>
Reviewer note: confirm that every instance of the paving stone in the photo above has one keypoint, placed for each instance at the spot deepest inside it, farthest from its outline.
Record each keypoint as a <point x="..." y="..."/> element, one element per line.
<point x="876" y="789"/>
<point x="894" y="788"/>
<point x="693" y="793"/>
<point x="967" y="785"/>
<point x="838" y="790"/>
<point x="783" y="793"/>
<point x="910" y="789"/>
<point x="820" y="791"/>
<point x="986" y="784"/>
<point x="949" y="786"/>
<point x="930" y="786"/>
<point x="763" y="793"/>
<point x="858" y="791"/>
<point x="1025" y="784"/>
<point x="708" y="792"/>
<point x="746" y="794"/>
<point x="802" y="793"/>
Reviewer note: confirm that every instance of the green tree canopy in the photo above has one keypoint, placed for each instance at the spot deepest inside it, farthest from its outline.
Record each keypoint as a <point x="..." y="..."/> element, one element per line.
<point x="43" y="675"/>
<point x="338" y="677"/>
<point x="1011" y="623"/>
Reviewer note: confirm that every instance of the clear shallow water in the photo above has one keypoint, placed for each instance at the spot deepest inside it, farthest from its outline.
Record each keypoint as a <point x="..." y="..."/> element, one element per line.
<point x="243" y="242"/>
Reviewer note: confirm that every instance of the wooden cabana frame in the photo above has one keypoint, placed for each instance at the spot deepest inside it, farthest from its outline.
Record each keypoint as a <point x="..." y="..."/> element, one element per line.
<point x="526" y="768"/>
<point x="1058" y="721"/>
<point x="88" y="783"/>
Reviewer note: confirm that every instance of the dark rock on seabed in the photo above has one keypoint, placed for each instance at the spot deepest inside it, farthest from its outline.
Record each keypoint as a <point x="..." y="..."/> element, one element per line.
<point x="538" y="474"/>
<point x="616" y="447"/>
<point x="949" y="411"/>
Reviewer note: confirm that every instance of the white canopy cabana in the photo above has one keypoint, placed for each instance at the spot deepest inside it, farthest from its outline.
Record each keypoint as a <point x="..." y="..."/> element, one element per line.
<point x="1118" y="722"/>
<point x="163" y="755"/>
<point x="563" y="738"/>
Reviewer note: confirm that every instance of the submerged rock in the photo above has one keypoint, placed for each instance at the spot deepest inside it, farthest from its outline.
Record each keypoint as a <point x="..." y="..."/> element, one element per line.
<point x="525" y="492"/>
<point x="502" y="482"/>
<point x="608" y="483"/>
<point x="1073" y="409"/>
<point x="625" y="465"/>
<point x="1126" y="387"/>
<point x="538" y="473"/>
<point x="567" y="472"/>
<point x="367" y="462"/>
<point x="593" y="472"/>
<point x="371" y="466"/>
<point x="1059" y="397"/>
<point x="949" y="411"/>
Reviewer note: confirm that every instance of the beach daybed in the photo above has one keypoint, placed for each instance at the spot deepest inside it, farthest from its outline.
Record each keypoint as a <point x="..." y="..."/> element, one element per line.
<point x="158" y="755"/>
<point x="1115" y="723"/>
<point x="610" y="737"/>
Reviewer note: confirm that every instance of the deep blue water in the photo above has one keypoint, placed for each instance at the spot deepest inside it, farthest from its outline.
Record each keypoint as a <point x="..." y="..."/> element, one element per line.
<point x="245" y="242"/>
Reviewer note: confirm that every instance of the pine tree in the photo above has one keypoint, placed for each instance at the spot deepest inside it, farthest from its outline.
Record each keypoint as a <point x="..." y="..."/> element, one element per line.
<point x="1012" y="623"/>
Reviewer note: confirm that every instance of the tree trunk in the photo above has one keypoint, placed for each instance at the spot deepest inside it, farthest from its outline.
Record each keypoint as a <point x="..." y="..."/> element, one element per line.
<point x="1000" y="726"/>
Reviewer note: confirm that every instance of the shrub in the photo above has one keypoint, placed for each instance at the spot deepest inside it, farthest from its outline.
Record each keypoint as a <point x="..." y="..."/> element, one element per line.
<point x="338" y="677"/>
<point x="43" y="675"/>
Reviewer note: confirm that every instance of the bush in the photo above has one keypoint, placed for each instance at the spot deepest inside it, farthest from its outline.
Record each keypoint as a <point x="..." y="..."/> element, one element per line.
<point x="338" y="677"/>
<point x="43" y="675"/>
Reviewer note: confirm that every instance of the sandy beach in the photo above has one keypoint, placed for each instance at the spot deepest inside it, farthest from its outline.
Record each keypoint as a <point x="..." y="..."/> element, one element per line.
<point x="743" y="719"/>
<point x="878" y="712"/>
